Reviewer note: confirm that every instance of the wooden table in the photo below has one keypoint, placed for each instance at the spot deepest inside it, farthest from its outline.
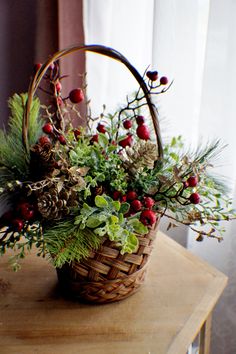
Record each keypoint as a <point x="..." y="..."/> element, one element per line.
<point x="172" y="307"/>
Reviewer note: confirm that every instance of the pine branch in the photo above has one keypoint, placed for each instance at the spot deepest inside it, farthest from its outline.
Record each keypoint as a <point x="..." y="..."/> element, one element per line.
<point x="13" y="155"/>
<point x="66" y="242"/>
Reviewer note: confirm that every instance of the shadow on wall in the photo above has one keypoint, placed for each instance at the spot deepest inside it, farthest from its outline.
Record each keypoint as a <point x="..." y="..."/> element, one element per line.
<point x="17" y="43"/>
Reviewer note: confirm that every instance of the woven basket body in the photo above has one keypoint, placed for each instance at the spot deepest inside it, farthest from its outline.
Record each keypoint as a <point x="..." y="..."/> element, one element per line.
<point x="106" y="275"/>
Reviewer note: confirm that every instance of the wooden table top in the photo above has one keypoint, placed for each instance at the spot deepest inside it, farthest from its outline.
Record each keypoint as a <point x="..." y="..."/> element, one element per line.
<point x="162" y="318"/>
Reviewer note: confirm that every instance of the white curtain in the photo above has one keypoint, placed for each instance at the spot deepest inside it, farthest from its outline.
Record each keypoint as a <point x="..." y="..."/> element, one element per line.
<point x="194" y="43"/>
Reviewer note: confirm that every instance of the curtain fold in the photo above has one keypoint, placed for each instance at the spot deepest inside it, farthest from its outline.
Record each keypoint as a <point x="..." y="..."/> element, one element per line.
<point x="70" y="32"/>
<point x="122" y="25"/>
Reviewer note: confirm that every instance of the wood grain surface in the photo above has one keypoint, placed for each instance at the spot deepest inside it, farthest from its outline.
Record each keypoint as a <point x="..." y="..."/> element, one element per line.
<point x="162" y="318"/>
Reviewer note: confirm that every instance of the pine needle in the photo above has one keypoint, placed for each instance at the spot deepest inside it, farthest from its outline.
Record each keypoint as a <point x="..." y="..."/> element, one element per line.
<point x="66" y="242"/>
<point x="13" y="155"/>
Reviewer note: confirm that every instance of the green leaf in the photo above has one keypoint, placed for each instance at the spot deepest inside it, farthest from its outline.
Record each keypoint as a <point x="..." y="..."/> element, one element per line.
<point x="101" y="231"/>
<point x="100" y="201"/>
<point x="173" y="142"/>
<point x="73" y="157"/>
<point x="124" y="208"/>
<point x="93" y="222"/>
<point x="130" y="245"/>
<point x="103" y="216"/>
<point x="87" y="210"/>
<point x="138" y="226"/>
<point x="121" y="218"/>
<point x="114" y="219"/>
<point x="174" y="156"/>
<point x="103" y="140"/>
<point x="116" y="204"/>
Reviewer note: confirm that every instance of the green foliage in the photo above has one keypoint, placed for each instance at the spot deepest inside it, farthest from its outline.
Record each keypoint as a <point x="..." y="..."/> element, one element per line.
<point x="107" y="218"/>
<point x="165" y="183"/>
<point x="104" y="165"/>
<point x="13" y="155"/>
<point x="66" y="242"/>
<point x="21" y="242"/>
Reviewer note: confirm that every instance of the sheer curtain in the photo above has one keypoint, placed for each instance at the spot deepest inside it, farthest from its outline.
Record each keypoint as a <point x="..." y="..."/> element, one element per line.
<point x="194" y="43"/>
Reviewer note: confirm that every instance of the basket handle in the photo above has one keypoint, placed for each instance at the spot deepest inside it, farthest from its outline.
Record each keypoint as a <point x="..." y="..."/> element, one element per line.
<point x="100" y="49"/>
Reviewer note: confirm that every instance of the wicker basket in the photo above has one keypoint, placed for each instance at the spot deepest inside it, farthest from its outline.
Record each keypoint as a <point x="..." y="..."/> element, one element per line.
<point x="106" y="275"/>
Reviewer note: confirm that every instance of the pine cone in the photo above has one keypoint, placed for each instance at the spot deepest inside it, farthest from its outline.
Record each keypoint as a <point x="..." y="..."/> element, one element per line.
<point x="142" y="154"/>
<point x="42" y="161"/>
<point x="54" y="204"/>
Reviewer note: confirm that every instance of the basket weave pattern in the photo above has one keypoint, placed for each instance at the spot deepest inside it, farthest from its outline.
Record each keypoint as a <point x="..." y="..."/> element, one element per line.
<point x="106" y="275"/>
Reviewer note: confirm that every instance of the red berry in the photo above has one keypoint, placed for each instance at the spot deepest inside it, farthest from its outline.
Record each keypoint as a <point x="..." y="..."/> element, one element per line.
<point x="185" y="184"/>
<point x="136" y="205"/>
<point x="29" y="215"/>
<point x="62" y="139"/>
<point x="37" y="66"/>
<point x="152" y="75"/>
<point x="163" y="80"/>
<point x="116" y="195"/>
<point x="127" y="141"/>
<point x="58" y="86"/>
<point x="192" y="181"/>
<point x="76" y="95"/>
<point x="131" y="195"/>
<point x="123" y="198"/>
<point x="18" y="224"/>
<point x="127" y="124"/>
<point x="143" y="132"/>
<point x="48" y="128"/>
<point x="44" y="140"/>
<point x="148" y="217"/>
<point x="195" y="198"/>
<point x="59" y="101"/>
<point x="101" y="128"/>
<point x="140" y="120"/>
<point x="94" y="139"/>
<point x="26" y="210"/>
<point x="149" y="202"/>
<point x="77" y="133"/>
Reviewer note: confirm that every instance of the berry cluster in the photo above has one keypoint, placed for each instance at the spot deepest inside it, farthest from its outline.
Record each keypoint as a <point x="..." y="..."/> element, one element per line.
<point x="192" y="182"/>
<point x="144" y="206"/>
<point x="18" y="218"/>
<point x="142" y="131"/>
<point x="76" y="96"/>
<point x="153" y="76"/>
<point x="53" y="80"/>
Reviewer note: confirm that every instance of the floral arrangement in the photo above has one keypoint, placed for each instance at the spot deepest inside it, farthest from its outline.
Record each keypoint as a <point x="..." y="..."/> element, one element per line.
<point x="69" y="187"/>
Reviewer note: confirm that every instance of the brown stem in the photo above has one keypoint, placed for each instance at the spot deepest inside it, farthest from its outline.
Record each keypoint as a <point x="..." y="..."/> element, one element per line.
<point x="187" y="223"/>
